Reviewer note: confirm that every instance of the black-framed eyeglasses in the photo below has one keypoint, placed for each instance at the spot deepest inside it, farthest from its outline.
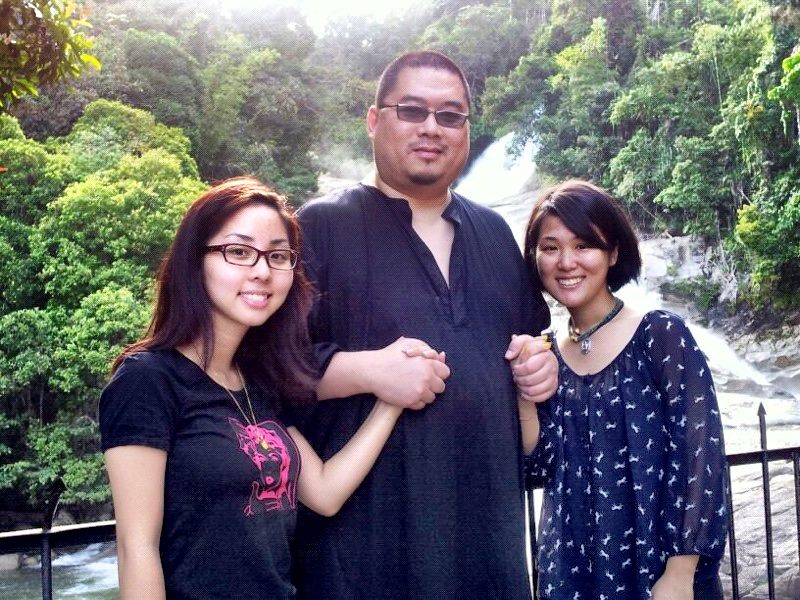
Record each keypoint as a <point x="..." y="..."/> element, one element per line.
<point x="413" y="113"/>
<point x="242" y="255"/>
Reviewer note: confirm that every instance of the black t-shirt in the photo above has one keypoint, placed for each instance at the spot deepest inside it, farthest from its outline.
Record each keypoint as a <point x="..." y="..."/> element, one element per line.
<point x="230" y="487"/>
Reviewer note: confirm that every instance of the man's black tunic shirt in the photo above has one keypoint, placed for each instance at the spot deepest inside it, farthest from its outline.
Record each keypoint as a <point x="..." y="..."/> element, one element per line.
<point x="441" y="514"/>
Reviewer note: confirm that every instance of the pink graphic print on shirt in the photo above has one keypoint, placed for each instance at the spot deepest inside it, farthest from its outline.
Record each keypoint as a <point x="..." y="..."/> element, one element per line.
<point x="268" y="445"/>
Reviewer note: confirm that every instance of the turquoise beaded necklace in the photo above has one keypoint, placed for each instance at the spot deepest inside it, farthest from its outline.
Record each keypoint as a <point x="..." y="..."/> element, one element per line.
<point x="583" y="338"/>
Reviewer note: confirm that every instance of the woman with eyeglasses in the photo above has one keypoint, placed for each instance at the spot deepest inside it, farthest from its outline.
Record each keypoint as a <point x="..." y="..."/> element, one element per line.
<point x="204" y="463"/>
<point x="630" y="451"/>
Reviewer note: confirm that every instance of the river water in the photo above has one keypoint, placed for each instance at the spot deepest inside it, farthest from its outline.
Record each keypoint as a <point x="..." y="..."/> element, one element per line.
<point x="495" y="178"/>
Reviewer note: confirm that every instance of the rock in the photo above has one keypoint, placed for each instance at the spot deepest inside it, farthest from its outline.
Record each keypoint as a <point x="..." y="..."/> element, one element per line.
<point x="758" y="357"/>
<point x="654" y="267"/>
<point x="10" y="562"/>
<point x="29" y="560"/>
<point x="64" y="517"/>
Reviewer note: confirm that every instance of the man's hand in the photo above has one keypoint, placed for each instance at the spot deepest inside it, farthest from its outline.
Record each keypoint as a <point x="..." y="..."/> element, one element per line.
<point x="408" y="373"/>
<point x="534" y="367"/>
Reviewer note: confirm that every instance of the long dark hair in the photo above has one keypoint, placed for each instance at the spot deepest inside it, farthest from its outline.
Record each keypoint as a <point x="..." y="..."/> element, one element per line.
<point x="278" y="353"/>
<point x="593" y="215"/>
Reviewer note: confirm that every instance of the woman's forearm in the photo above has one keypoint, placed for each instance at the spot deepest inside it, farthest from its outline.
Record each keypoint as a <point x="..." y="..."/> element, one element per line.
<point x="529" y="425"/>
<point x="140" y="572"/>
<point x="325" y="486"/>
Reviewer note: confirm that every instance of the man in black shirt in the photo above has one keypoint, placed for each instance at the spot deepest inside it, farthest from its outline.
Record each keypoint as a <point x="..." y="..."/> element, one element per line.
<point x="441" y="514"/>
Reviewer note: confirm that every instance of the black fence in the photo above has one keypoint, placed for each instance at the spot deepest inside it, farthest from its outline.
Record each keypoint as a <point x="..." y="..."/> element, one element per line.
<point x="45" y="539"/>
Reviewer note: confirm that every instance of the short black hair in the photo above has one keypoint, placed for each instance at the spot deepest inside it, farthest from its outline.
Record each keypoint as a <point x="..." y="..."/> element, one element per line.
<point x="593" y="215"/>
<point x="417" y="60"/>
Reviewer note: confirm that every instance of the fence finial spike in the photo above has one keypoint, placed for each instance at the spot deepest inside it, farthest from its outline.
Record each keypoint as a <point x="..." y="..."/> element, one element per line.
<point x="761" y="410"/>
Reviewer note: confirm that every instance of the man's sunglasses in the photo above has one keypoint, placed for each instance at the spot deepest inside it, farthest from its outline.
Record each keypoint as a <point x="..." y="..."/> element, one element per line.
<point x="412" y="113"/>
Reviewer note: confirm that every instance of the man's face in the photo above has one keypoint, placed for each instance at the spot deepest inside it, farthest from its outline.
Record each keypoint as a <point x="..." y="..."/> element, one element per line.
<point x="411" y="157"/>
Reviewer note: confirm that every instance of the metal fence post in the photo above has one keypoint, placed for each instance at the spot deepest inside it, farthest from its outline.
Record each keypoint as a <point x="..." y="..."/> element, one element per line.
<point x="49" y="514"/>
<point x="534" y="544"/>
<point x="767" y="503"/>
<point x="731" y="534"/>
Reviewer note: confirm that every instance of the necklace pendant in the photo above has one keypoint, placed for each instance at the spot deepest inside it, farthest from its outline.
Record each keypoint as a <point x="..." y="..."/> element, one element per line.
<point x="586" y="346"/>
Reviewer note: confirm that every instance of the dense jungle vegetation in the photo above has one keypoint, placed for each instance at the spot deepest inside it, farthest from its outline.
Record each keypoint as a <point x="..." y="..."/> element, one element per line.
<point x="689" y="111"/>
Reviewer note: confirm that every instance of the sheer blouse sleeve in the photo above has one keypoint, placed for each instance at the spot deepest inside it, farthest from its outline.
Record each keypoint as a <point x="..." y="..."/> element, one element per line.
<point x="540" y="464"/>
<point x="693" y="506"/>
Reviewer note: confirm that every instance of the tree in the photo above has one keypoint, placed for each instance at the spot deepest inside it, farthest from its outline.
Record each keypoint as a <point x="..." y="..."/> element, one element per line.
<point x="163" y="79"/>
<point x="575" y="136"/>
<point x="109" y="130"/>
<point x="42" y="43"/>
<point x="112" y="228"/>
<point x="87" y="220"/>
<point x="462" y="37"/>
<point x="32" y="178"/>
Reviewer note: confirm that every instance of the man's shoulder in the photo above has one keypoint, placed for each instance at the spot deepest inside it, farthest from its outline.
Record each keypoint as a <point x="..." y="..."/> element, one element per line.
<point x="481" y="214"/>
<point x="476" y="208"/>
<point x="342" y="199"/>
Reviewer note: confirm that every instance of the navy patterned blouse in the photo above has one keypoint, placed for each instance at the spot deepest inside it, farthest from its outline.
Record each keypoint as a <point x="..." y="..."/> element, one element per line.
<point x="632" y="461"/>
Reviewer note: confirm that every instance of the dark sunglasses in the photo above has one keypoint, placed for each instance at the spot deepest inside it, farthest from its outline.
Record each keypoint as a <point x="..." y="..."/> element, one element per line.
<point x="412" y="113"/>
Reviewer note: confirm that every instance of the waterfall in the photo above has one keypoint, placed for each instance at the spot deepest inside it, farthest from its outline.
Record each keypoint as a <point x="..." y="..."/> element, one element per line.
<point x="482" y="180"/>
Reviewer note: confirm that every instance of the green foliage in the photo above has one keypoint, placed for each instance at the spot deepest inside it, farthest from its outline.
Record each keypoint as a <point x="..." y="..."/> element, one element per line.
<point x="585" y="87"/>
<point x="113" y="227"/>
<point x="699" y="290"/>
<point x="164" y="79"/>
<point x="683" y="110"/>
<point x="42" y="43"/>
<point x="260" y="118"/>
<point x="97" y="331"/>
<point x="109" y="130"/>
<point x="688" y="112"/>
<point x="28" y="340"/>
<point x="85" y="222"/>
<point x="18" y="287"/>
<point x="226" y="76"/>
<point x="696" y="191"/>
<point x="32" y="177"/>
<point x="10" y="128"/>
<point x="638" y="172"/>
<point x="462" y="36"/>
<point x="769" y="228"/>
<point x="281" y="113"/>
<point x="789" y="88"/>
<point x="515" y="101"/>
<point x="343" y="111"/>
<point x="64" y="450"/>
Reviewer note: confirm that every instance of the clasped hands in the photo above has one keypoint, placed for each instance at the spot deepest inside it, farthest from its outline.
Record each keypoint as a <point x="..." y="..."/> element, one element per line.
<point x="534" y="367"/>
<point x="413" y="372"/>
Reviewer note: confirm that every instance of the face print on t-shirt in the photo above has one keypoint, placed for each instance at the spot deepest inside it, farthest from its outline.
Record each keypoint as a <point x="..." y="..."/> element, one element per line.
<point x="272" y="451"/>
